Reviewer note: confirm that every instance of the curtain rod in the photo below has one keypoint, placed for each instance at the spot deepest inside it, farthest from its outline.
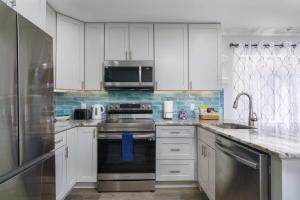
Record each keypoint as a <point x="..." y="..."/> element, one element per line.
<point x="265" y="45"/>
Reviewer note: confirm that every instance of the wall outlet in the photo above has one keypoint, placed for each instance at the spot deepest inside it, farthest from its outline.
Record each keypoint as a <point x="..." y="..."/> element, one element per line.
<point x="192" y="106"/>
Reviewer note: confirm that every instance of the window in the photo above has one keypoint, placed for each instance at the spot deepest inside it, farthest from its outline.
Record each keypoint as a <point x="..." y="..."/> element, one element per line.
<point x="271" y="74"/>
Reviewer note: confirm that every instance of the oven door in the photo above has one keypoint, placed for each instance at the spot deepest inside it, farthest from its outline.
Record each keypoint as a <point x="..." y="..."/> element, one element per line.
<point x="110" y="163"/>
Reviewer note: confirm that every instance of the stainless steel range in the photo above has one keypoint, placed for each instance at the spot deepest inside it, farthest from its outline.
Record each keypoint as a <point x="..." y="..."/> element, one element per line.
<point x="115" y="173"/>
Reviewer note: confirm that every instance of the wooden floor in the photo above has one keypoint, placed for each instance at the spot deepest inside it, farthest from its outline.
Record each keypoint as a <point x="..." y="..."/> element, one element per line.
<point x="160" y="194"/>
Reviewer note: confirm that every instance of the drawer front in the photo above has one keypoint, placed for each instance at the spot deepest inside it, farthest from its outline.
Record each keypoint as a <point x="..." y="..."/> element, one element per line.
<point x="175" y="170"/>
<point x="60" y="139"/>
<point x="175" y="148"/>
<point x="207" y="137"/>
<point x="175" y="131"/>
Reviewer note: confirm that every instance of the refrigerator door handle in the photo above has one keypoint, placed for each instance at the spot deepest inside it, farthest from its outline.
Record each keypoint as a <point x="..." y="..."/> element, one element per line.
<point x="23" y="168"/>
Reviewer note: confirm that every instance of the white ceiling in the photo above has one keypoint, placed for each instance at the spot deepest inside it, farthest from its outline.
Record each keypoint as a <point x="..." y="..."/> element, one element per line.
<point x="236" y="16"/>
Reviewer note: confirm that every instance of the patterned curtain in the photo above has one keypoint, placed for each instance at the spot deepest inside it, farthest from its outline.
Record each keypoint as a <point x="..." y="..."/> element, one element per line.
<point x="271" y="74"/>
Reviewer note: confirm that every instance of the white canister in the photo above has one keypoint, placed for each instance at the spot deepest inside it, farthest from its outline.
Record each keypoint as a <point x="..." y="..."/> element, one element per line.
<point x="168" y="109"/>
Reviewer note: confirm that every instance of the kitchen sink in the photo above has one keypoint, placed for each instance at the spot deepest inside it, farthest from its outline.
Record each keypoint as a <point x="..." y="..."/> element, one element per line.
<point x="233" y="126"/>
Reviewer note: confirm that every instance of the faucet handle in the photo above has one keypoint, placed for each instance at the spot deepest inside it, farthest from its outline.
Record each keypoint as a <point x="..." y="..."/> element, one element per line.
<point x="254" y="117"/>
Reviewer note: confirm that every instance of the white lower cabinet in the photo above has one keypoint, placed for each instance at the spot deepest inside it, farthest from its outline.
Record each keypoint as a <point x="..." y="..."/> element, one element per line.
<point x="175" y="170"/>
<point x="206" y="162"/>
<point x="87" y="155"/>
<point x="75" y="159"/>
<point x="72" y="163"/>
<point x="60" y="164"/>
<point x="60" y="172"/>
<point x="175" y="153"/>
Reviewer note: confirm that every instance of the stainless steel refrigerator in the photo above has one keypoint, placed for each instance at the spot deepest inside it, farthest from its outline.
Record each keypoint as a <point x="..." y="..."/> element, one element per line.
<point x="27" y="158"/>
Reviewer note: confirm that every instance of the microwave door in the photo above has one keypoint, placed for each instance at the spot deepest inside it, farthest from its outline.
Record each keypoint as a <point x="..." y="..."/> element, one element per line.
<point x="122" y="76"/>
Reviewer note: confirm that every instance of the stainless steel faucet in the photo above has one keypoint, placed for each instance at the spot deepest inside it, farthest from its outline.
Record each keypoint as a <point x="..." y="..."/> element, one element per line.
<point x="252" y="115"/>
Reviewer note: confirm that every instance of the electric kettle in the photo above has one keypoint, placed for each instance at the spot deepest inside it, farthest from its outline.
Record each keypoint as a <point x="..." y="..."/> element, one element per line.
<point x="97" y="111"/>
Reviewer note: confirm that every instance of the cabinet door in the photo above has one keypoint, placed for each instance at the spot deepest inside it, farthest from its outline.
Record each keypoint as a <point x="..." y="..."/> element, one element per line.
<point x="33" y="10"/>
<point x="171" y="56"/>
<point x="211" y="173"/>
<point x="87" y="143"/>
<point x="116" y="41"/>
<point x="204" y="52"/>
<point x="202" y="166"/>
<point x="141" y="41"/>
<point x="94" y="56"/>
<point x="70" y="53"/>
<point x="72" y="161"/>
<point x="51" y="30"/>
<point x="60" y="172"/>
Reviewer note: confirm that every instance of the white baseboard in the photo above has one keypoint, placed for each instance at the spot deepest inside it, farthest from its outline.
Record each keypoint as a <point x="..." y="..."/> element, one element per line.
<point x="181" y="184"/>
<point x="85" y="185"/>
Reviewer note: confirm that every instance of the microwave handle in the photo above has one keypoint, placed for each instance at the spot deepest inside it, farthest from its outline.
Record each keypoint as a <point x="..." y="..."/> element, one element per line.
<point x="140" y="74"/>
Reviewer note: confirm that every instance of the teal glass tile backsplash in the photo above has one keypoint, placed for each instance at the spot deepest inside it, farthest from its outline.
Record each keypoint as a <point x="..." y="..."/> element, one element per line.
<point x="65" y="103"/>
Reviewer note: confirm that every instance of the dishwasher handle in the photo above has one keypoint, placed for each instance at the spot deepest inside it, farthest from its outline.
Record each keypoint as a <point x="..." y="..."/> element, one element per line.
<point x="237" y="157"/>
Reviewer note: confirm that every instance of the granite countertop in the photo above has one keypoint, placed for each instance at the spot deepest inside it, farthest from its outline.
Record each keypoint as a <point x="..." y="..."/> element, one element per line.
<point x="63" y="125"/>
<point x="284" y="143"/>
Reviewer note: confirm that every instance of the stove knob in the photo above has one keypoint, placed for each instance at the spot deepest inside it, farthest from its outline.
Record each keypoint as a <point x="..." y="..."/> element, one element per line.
<point x="149" y="107"/>
<point x="143" y="107"/>
<point x="111" y="107"/>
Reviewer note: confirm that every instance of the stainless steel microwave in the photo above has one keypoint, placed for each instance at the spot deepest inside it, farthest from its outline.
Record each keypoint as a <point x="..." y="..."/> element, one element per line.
<point x="129" y="75"/>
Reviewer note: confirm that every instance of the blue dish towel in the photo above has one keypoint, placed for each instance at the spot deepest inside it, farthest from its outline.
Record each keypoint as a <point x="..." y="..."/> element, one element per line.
<point x="127" y="147"/>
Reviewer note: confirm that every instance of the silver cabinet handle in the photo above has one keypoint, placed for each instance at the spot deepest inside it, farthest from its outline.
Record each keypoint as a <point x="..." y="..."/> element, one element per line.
<point x="202" y="150"/>
<point x="130" y="55"/>
<point x="82" y="85"/>
<point x="94" y="133"/>
<point x="66" y="152"/>
<point x="191" y="85"/>
<point x="126" y="55"/>
<point x="58" y="141"/>
<point x="174" y="132"/>
<point x="174" y="149"/>
<point x="101" y="85"/>
<point x="156" y="85"/>
<point x="174" y="171"/>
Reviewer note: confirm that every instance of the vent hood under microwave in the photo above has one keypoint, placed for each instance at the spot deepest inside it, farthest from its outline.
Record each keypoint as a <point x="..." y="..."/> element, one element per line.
<point x="129" y="75"/>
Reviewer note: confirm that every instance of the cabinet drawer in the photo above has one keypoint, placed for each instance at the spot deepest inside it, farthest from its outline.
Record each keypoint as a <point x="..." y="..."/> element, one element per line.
<point x="206" y="136"/>
<point x="175" y="170"/>
<point x="175" y="148"/>
<point x="60" y="139"/>
<point x="175" y="131"/>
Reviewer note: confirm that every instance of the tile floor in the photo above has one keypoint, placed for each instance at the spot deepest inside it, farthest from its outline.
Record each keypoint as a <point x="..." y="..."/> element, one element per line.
<point x="160" y="194"/>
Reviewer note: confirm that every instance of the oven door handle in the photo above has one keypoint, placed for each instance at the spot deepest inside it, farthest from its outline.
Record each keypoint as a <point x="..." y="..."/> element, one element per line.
<point x="119" y="136"/>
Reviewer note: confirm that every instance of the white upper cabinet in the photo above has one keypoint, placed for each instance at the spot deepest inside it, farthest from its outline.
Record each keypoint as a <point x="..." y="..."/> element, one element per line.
<point x="70" y="53"/>
<point x="171" y="56"/>
<point x="94" y="56"/>
<point x="204" y="57"/>
<point x="128" y="41"/>
<point x="141" y="41"/>
<point x="116" y="41"/>
<point x="33" y="10"/>
<point x="87" y="154"/>
<point x="51" y="30"/>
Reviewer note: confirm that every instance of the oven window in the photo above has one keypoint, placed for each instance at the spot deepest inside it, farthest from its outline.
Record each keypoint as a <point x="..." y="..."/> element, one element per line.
<point x="110" y="157"/>
<point x="121" y="74"/>
<point x="147" y="74"/>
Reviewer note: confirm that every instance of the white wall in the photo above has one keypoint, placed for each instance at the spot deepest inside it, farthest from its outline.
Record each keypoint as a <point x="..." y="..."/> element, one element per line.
<point x="226" y="63"/>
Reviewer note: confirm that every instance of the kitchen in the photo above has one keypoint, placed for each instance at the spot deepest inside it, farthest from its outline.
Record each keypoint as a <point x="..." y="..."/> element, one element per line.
<point x="147" y="103"/>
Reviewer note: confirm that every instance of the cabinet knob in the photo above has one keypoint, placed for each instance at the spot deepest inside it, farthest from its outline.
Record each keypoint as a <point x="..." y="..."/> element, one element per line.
<point x="191" y="85"/>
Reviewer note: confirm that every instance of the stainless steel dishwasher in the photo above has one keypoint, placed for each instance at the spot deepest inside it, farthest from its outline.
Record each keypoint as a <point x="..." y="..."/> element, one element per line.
<point x="241" y="172"/>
